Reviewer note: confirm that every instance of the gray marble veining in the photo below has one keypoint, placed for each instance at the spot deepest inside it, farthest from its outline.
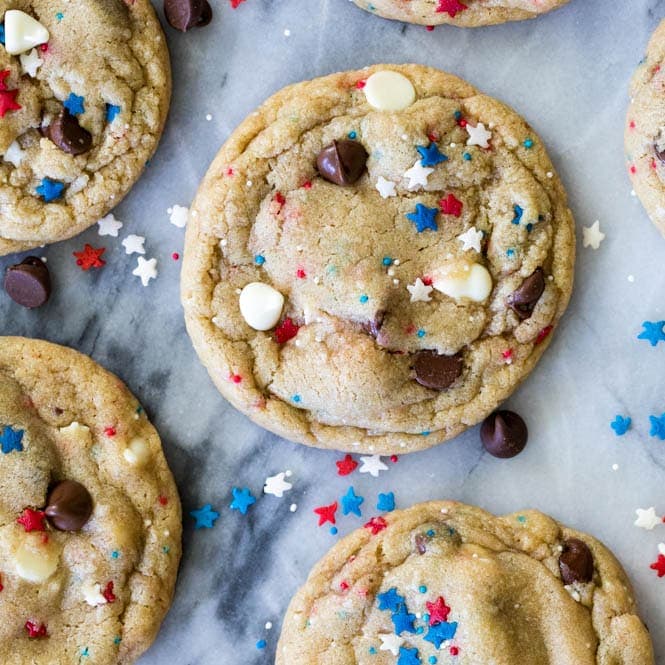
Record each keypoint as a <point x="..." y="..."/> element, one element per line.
<point x="567" y="73"/>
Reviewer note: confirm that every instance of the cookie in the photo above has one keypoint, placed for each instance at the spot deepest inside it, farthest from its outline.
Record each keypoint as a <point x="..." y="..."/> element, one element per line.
<point x="463" y="13"/>
<point x="645" y="130"/>
<point x="376" y="259"/>
<point x="84" y="93"/>
<point x="447" y="583"/>
<point x="89" y="511"/>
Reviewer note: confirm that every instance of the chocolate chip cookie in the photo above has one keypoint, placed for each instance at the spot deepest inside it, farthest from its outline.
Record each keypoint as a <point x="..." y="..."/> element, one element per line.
<point x="84" y="93"/>
<point x="447" y="583"/>
<point x="645" y="130"/>
<point x="89" y="512"/>
<point x="376" y="259"/>
<point x="463" y="13"/>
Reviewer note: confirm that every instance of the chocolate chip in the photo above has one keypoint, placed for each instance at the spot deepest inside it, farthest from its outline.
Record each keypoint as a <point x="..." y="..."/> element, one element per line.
<point x="420" y="543"/>
<point x="660" y="154"/>
<point x="342" y="162"/>
<point x="68" y="135"/>
<point x="28" y="283"/>
<point x="185" y="14"/>
<point x="69" y="506"/>
<point x="437" y="371"/>
<point x="504" y="434"/>
<point x="576" y="562"/>
<point x="373" y="327"/>
<point x="523" y="300"/>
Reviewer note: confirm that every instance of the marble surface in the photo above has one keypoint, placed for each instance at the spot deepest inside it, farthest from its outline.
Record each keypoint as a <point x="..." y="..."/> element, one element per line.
<point x="567" y="73"/>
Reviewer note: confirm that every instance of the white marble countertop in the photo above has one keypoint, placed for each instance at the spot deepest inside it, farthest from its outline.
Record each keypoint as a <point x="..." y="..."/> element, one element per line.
<point x="567" y="73"/>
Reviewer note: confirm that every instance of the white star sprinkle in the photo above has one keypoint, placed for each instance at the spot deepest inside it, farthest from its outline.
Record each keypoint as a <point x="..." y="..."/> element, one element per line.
<point x="385" y="187"/>
<point x="109" y="226"/>
<point x="92" y="593"/>
<point x="133" y="244"/>
<point x="14" y="154"/>
<point x="471" y="239"/>
<point x="31" y="62"/>
<point x="478" y="135"/>
<point x="592" y="235"/>
<point x="178" y="216"/>
<point x="391" y="642"/>
<point x="418" y="175"/>
<point x="419" y="291"/>
<point x="146" y="270"/>
<point x="372" y="464"/>
<point x="647" y="519"/>
<point x="276" y="485"/>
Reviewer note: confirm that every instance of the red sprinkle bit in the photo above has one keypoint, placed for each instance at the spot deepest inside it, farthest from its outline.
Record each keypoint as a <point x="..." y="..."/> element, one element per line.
<point x="361" y="84"/>
<point x="326" y="513"/>
<point x="654" y="166"/>
<point x="633" y="169"/>
<point x="300" y="273"/>
<point x="451" y="205"/>
<point x="110" y="431"/>
<point x="236" y="378"/>
<point x="32" y="520"/>
<point x="542" y="335"/>
<point x="236" y="3"/>
<point x="90" y="257"/>
<point x="43" y="47"/>
<point x="108" y="593"/>
<point x="394" y="458"/>
<point x="35" y="630"/>
<point x="376" y="525"/>
<point x="462" y="122"/>
<point x="175" y="256"/>
<point x="307" y="184"/>
<point x="346" y="466"/>
<point x="429" y="28"/>
<point x="362" y="592"/>
<point x="427" y="280"/>
<point x="286" y="330"/>
<point x="279" y="198"/>
<point x="229" y="171"/>
<point x="454" y="651"/>
<point x="659" y="565"/>
<point x="450" y="7"/>
<point x="44" y="538"/>
<point x="343" y="585"/>
<point x="631" y="124"/>
<point x="163" y="500"/>
<point x="7" y="97"/>
<point x="433" y="137"/>
<point x="438" y="611"/>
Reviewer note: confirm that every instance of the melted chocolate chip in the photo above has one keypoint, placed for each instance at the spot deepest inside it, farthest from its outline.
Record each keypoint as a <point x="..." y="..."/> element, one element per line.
<point x="28" y="283"/>
<point x="660" y="154"/>
<point x="523" y="300"/>
<point x="68" y="135"/>
<point x="437" y="371"/>
<point x="576" y="562"/>
<point x="420" y="543"/>
<point x="373" y="327"/>
<point x="185" y="14"/>
<point x="342" y="162"/>
<point x="69" y="506"/>
<point x="504" y="434"/>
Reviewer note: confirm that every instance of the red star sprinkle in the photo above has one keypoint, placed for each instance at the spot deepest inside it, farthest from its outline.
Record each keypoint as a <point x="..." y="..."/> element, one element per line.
<point x="108" y="593"/>
<point x="450" y="7"/>
<point x="451" y="206"/>
<point x="376" y="525"/>
<point x="236" y="3"/>
<point x="346" y="466"/>
<point x="361" y="84"/>
<point x="32" y="520"/>
<point x="542" y="335"/>
<point x="285" y="331"/>
<point x="659" y="565"/>
<point x="300" y="273"/>
<point x="326" y="513"/>
<point x="438" y="611"/>
<point x="109" y="431"/>
<point x="35" y="630"/>
<point x="90" y="257"/>
<point x="7" y="97"/>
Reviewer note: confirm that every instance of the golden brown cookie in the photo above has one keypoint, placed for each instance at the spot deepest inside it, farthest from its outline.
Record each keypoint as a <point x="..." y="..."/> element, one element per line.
<point x="451" y="584"/>
<point x="89" y="512"/>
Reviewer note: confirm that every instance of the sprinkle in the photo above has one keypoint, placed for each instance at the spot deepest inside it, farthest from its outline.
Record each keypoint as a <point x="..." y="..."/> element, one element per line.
<point x="657" y="426"/>
<point x="438" y="611"/>
<point x="385" y="187"/>
<point x="326" y="513"/>
<point x="386" y="502"/>
<point x="431" y="155"/>
<point x="346" y="465"/>
<point x="205" y="517"/>
<point x="50" y="190"/>
<point x="542" y="335"/>
<point x="518" y="212"/>
<point x="146" y="269"/>
<point x="352" y="135"/>
<point x="285" y="331"/>
<point x="420" y="291"/>
<point x="653" y="332"/>
<point x="74" y="104"/>
<point x="133" y="244"/>
<point x="659" y="565"/>
<point x="7" y="97"/>
<point x="109" y="226"/>
<point x="11" y="439"/>
<point x="387" y="261"/>
<point x="372" y="464"/>
<point x="376" y="525"/>
<point x="478" y="135"/>
<point x="450" y="205"/>
<point x="620" y="425"/>
<point x="351" y="502"/>
<point x="417" y="175"/>
<point x="592" y="235"/>
<point x="452" y="8"/>
<point x="35" y="630"/>
<point x="259" y="259"/>
<point x="242" y="499"/>
<point x="112" y="112"/>
<point x="277" y="485"/>
<point x="178" y="216"/>
<point x="90" y="257"/>
<point x="647" y="518"/>
<point x="423" y="217"/>
<point x="421" y="333"/>
<point x="297" y="399"/>
<point x="409" y="656"/>
<point x="261" y="644"/>
<point x="32" y="520"/>
<point x="528" y="144"/>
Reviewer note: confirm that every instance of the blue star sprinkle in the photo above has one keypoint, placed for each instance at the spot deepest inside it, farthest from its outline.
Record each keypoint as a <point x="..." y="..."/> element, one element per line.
<point x="2" y="33"/>
<point x="441" y="632"/>
<point x="408" y="657"/>
<point x="351" y="503"/>
<point x="50" y="190"/>
<point x="431" y="156"/>
<point x="657" y="426"/>
<point x="519" y="211"/>
<point x="386" y="502"/>
<point x="653" y="331"/>
<point x="10" y="439"/>
<point x="74" y="104"/>
<point x="205" y="517"/>
<point x="242" y="499"/>
<point x="620" y="425"/>
<point x="111" y="112"/>
<point x="390" y="600"/>
<point x="423" y="217"/>
<point x="403" y="621"/>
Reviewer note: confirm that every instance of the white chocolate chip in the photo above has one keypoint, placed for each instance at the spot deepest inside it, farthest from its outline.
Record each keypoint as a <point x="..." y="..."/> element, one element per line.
<point x="261" y="305"/>
<point x="137" y="452"/>
<point x="389" y="91"/>
<point x="35" y="560"/>
<point x="22" y="32"/>
<point x="474" y="282"/>
<point x="92" y="594"/>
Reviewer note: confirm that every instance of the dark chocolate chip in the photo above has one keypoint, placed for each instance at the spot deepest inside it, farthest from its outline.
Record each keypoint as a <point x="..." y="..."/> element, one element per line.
<point x="504" y="434"/>
<point x="576" y="562"/>
<point x="69" y="506"/>
<point x="28" y="283"/>
<point x="342" y="162"/>
<point x="420" y="543"/>
<point x="523" y="300"/>
<point x="185" y="14"/>
<point x="660" y="154"/>
<point x="68" y="135"/>
<point x="373" y="327"/>
<point x="437" y="371"/>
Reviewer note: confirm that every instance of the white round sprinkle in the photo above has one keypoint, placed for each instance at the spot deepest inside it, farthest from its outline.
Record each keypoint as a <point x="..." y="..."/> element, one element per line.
<point x="287" y="33"/>
<point x="293" y="507"/>
<point x="268" y="625"/>
<point x="389" y="91"/>
<point x="631" y="278"/>
<point x="208" y="117"/>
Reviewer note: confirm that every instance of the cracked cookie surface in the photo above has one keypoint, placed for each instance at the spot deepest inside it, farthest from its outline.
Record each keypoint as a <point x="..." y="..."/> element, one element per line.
<point x="463" y="13"/>
<point x="107" y="61"/>
<point x="98" y="590"/>
<point x="645" y="130"/>
<point x="395" y="285"/>
<point x="453" y="583"/>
